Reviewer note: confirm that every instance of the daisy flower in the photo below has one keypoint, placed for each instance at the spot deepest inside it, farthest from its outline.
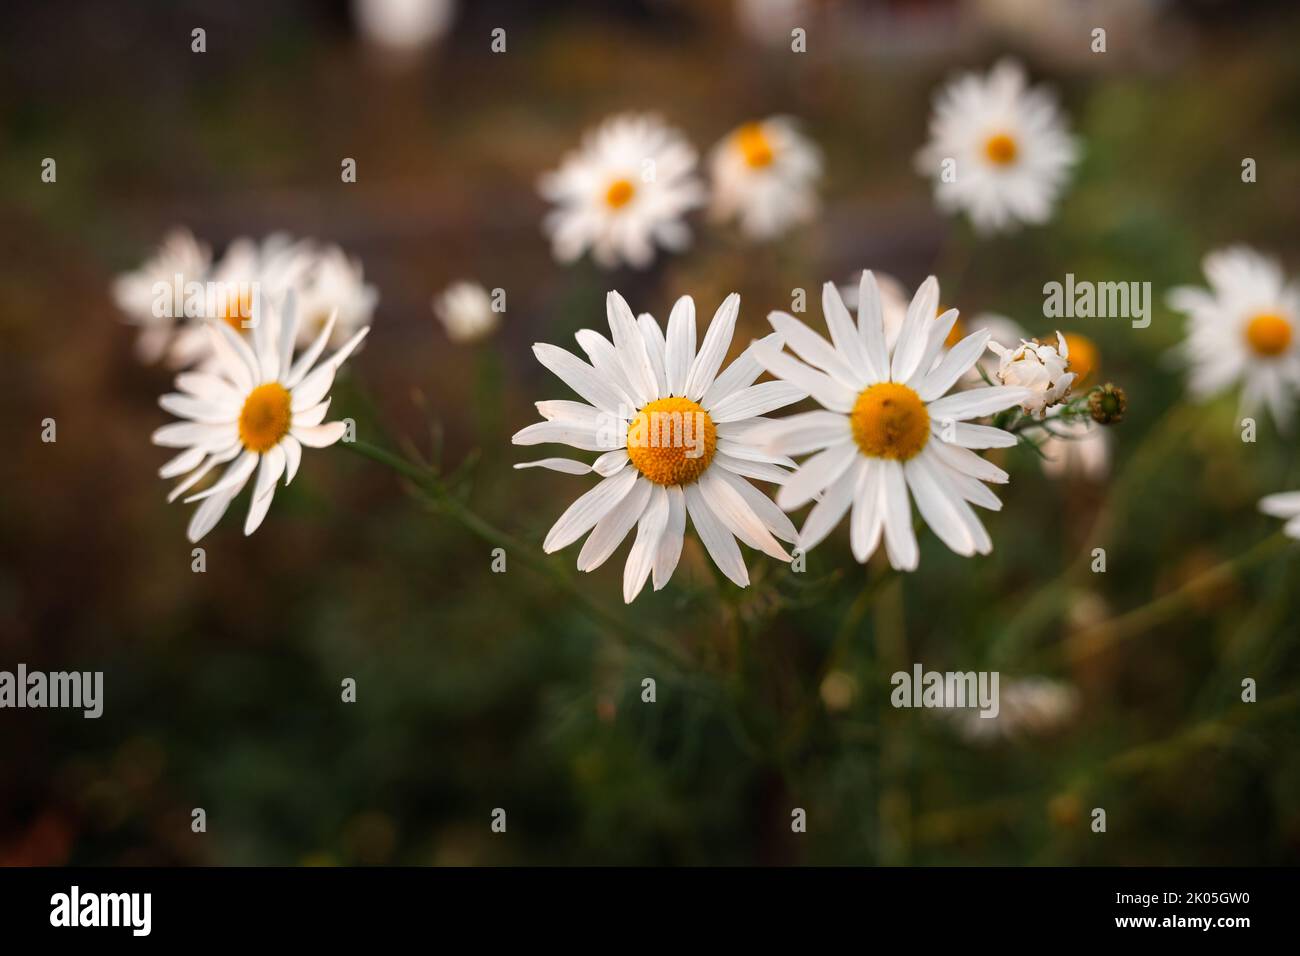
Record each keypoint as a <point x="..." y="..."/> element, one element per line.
<point x="676" y="437"/>
<point x="331" y="282"/>
<point x="256" y="408"/>
<point x="1286" y="506"/>
<point x="1044" y="370"/>
<point x="147" y="296"/>
<point x="1243" y="330"/>
<point x="465" y="310"/>
<point x="763" y="175"/>
<point x="623" y="192"/>
<point x="272" y="267"/>
<point x="887" y="426"/>
<point x="1011" y="149"/>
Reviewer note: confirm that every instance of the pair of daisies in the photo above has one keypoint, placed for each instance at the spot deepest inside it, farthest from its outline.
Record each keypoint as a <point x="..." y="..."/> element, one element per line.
<point x="998" y="150"/>
<point x="680" y="437"/>
<point x="1242" y="333"/>
<point x="631" y="184"/>
<point x="181" y="289"/>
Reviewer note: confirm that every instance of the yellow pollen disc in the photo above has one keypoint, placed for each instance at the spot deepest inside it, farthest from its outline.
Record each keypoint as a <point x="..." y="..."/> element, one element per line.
<point x="620" y="193"/>
<point x="1084" y="357"/>
<point x="754" y="146"/>
<point x="1269" y="334"/>
<point x="265" y="418"/>
<point x="889" y="420"/>
<point x="1001" y="149"/>
<point x="236" y="309"/>
<point x="671" y="441"/>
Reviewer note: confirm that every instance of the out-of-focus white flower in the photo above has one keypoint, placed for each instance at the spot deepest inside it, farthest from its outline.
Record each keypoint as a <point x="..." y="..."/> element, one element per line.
<point x="248" y="270"/>
<point x="1083" y="449"/>
<point x="763" y="175"/>
<point x="1040" y="368"/>
<point x="1243" y="330"/>
<point x="624" y="191"/>
<point x="148" y="296"/>
<point x="465" y="309"/>
<point x="333" y="283"/>
<point x="403" y="26"/>
<point x="1284" y="505"/>
<point x="1027" y="707"/>
<point x="998" y="151"/>
<point x="769" y="22"/>
<point x="889" y="432"/>
<point x="256" y="408"/>
<point x="677" y="442"/>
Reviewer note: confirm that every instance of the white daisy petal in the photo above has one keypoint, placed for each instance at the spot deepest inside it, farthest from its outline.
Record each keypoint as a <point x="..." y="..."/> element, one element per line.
<point x="670" y="542"/>
<point x="319" y="436"/>
<point x="739" y="374"/>
<point x="680" y="348"/>
<point x="566" y="465"/>
<point x="817" y="473"/>
<point x="805" y="432"/>
<point x="233" y="480"/>
<point x="871" y="326"/>
<point x="977" y="402"/>
<point x="656" y="348"/>
<point x="582" y="378"/>
<point x="938" y="508"/>
<point x="900" y="539"/>
<point x="730" y="508"/>
<point x="867" y="523"/>
<point x="630" y="347"/>
<point x="755" y="400"/>
<point x="814" y="349"/>
<point x="960" y="360"/>
<point x="773" y="518"/>
<point x="649" y="532"/>
<point x="848" y="343"/>
<point x="826" y="514"/>
<point x="613" y="527"/>
<point x="825" y="390"/>
<point x="582" y="515"/>
<point x="268" y="473"/>
<point x="714" y="349"/>
<point x="292" y="457"/>
<point x="717" y="540"/>
<point x="912" y="340"/>
<point x="976" y="436"/>
<point x="567" y="433"/>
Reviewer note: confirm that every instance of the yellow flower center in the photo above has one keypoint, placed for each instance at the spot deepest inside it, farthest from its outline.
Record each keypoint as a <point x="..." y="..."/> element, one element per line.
<point x="265" y="417"/>
<point x="620" y="193"/>
<point x="671" y="441"/>
<point x="754" y="146"/>
<point x="1269" y="334"/>
<point x="889" y="420"/>
<point x="1001" y="149"/>
<point x="1084" y="357"/>
<point x="236" y="307"/>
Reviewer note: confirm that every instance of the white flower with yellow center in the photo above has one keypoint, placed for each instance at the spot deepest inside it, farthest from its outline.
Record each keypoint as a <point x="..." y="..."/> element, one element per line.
<point x="270" y="268"/>
<point x="626" y="190"/>
<point x="332" y="283"/>
<point x="676" y="441"/>
<point x="1042" y="369"/>
<point x="255" y="408"/>
<point x="888" y="426"/>
<point x="998" y="151"/>
<point x="1284" y="505"/>
<point x="763" y="176"/>
<point x="148" y="295"/>
<point x="465" y="310"/>
<point x="1243" y="329"/>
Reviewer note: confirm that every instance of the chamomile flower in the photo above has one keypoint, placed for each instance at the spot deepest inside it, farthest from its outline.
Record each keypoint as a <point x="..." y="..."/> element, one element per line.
<point x="998" y="151"/>
<point x="676" y="440"/>
<point x="255" y="409"/>
<point x="1242" y="331"/>
<point x="1044" y="370"/>
<point x="333" y="283"/>
<point x="625" y="191"/>
<point x="763" y="176"/>
<point x="248" y="268"/>
<point x="1285" y="505"/>
<point x="465" y="310"/>
<point x="888" y="427"/>
<point x="148" y="295"/>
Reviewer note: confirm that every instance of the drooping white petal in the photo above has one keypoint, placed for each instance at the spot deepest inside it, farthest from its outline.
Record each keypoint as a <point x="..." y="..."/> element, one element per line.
<point x="233" y="480"/>
<point x="732" y="510"/>
<point x="268" y="473"/>
<point x="670" y="543"/>
<point x="582" y="515"/>
<point x="649" y="532"/>
<point x="867" y="522"/>
<point x="207" y="515"/>
<point x="826" y="514"/>
<point x="717" y="540"/>
<point x="900" y="539"/>
<point x="186" y="461"/>
<point x="313" y="415"/>
<point x="292" y="457"/>
<point x="319" y="436"/>
<point x="937" y="508"/>
<point x="817" y="473"/>
<point x="773" y="518"/>
<point x="613" y="527"/>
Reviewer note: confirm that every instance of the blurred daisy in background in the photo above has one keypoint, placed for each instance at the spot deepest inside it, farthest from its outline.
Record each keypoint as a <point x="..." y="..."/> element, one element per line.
<point x="332" y="283"/>
<point x="1042" y="369"/>
<point x="403" y="26"/>
<point x="676" y="437"/>
<point x="1242" y="331"/>
<point x="998" y="151"/>
<point x="465" y="310"/>
<point x="1027" y="707"/>
<point x="1284" y="505"/>
<point x="887" y="427"/>
<point x="763" y="176"/>
<point x="769" y="22"/>
<point x="625" y="191"/>
<point x="147" y="296"/>
<point x="255" y="408"/>
<point x="1076" y="448"/>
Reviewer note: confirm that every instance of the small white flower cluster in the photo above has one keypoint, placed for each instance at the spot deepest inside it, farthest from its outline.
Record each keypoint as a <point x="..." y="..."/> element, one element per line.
<point x="1042" y="369"/>
<point x="627" y="190"/>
